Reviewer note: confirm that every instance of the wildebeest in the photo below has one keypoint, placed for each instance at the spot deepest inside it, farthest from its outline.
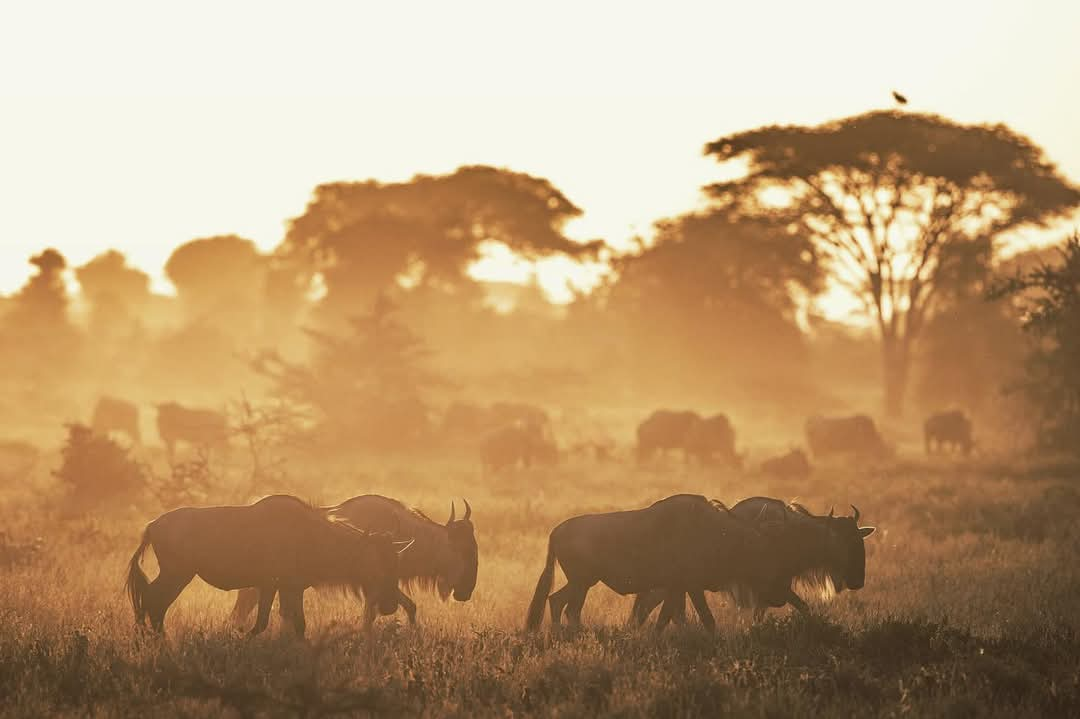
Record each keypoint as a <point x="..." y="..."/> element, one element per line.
<point x="517" y="444"/>
<point x="115" y="415"/>
<point x="948" y="431"/>
<point x="793" y="465"/>
<point x="442" y="557"/>
<point x="280" y="544"/>
<point x="712" y="439"/>
<point x="198" y="427"/>
<point x="684" y="544"/>
<point x="824" y="553"/>
<point x="702" y="438"/>
<point x="855" y="435"/>
<point x="665" y="430"/>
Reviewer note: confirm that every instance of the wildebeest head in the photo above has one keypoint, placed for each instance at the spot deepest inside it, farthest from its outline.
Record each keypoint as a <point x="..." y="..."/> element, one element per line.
<point x="847" y="554"/>
<point x="463" y="541"/>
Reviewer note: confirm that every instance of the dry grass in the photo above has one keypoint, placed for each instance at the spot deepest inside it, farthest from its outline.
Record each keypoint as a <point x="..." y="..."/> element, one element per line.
<point x="971" y="608"/>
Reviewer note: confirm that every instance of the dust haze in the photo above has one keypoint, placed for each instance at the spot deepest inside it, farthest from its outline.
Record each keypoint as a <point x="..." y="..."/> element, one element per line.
<point x="363" y="355"/>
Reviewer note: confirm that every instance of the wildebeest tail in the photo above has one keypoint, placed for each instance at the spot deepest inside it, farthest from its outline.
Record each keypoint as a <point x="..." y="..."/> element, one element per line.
<point x="543" y="589"/>
<point x="137" y="584"/>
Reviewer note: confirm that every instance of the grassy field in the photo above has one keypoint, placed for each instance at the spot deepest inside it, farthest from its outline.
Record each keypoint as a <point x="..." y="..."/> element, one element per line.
<point x="970" y="608"/>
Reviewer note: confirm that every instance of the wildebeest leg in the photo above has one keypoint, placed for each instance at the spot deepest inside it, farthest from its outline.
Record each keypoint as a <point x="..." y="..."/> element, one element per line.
<point x="371" y="611"/>
<point x="644" y="604"/>
<point x="796" y="601"/>
<point x="759" y="613"/>
<point x="408" y="605"/>
<point x="574" y="604"/>
<point x="672" y="598"/>
<point x="557" y="602"/>
<point x="292" y="608"/>
<point x="163" y="592"/>
<point x="703" y="612"/>
<point x="246" y="600"/>
<point x="266" y="600"/>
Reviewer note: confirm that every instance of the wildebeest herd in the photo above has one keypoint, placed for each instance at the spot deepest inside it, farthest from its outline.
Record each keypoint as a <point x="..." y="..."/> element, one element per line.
<point x="761" y="551"/>
<point x="374" y="547"/>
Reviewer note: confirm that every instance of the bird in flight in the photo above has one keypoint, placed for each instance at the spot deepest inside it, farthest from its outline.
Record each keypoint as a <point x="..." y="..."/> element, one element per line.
<point x="899" y="98"/>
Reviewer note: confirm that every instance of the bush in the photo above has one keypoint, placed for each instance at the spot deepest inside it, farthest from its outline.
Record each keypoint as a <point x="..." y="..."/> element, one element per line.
<point x="96" y="469"/>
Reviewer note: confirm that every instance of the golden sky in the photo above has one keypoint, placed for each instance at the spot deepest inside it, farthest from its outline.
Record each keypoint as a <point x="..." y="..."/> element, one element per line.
<point x="139" y="126"/>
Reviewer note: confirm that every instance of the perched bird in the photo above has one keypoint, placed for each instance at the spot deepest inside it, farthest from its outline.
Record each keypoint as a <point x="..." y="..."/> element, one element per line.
<point x="899" y="98"/>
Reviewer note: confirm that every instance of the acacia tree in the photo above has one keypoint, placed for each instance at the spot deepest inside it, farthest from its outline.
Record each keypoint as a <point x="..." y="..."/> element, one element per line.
<point x="882" y="195"/>
<point x="370" y="238"/>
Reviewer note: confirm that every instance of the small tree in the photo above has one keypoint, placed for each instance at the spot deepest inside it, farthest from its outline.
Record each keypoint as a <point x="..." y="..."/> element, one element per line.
<point x="1049" y="297"/>
<point x="368" y="386"/>
<point x="95" y="469"/>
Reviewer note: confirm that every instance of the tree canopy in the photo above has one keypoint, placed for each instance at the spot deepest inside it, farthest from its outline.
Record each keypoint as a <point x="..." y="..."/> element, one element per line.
<point x="882" y="194"/>
<point x="366" y="238"/>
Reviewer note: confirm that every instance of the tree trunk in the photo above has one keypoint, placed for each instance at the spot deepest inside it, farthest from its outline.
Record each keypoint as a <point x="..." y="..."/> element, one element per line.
<point x="895" y="356"/>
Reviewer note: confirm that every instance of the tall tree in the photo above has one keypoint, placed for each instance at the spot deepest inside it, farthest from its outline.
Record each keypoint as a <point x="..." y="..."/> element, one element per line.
<point x="369" y="385"/>
<point x="370" y="238"/>
<point x="883" y="194"/>
<point x="115" y="291"/>
<point x="37" y="339"/>
<point x="220" y="280"/>
<point x="1049" y="296"/>
<point x="714" y="289"/>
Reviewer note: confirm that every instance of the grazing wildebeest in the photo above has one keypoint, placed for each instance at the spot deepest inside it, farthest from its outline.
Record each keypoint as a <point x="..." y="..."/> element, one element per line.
<point x="442" y="557"/>
<point x="199" y="427"/>
<point x="824" y="553"/>
<point x="793" y="465"/>
<point x="664" y="430"/>
<point x="713" y="438"/>
<point x="684" y="544"/>
<point x="855" y="435"/>
<point x="517" y="444"/>
<point x="280" y="544"/>
<point x="948" y="431"/>
<point x="115" y="415"/>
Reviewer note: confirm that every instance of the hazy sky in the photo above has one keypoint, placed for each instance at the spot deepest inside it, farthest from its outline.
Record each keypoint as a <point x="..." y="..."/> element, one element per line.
<point x="140" y="126"/>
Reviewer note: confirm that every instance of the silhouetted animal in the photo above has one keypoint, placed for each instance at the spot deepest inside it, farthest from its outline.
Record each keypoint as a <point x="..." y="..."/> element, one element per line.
<point x="705" y="439"/>
<point x="899" y="98"/>
<point x="516" y="445"/>
<point x="793" y="465"/>
<point x="824" y="553"/>
<point x="442" y="557"/>
<point x="856" y="435"/>
<point x="280" y="544"/>
<point x="713" y="439"/>
<point x="115" y="415"/>
<point x="198" y="427"/>
<point x="948" y="431"/>
<point x="665" y="430"/>
<point x="682" y="544"/>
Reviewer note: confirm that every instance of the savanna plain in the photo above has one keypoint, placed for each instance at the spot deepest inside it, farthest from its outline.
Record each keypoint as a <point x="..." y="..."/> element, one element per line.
<point x="970" y="606"/>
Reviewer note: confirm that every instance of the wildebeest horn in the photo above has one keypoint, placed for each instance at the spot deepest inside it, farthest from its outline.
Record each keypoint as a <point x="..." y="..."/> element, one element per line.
<point x="468" y="509"/>
<point x="856" y="511"/>
<point x="831" y="511"/>
<point x="453" y="514"/>
<point x="404" y="545"/>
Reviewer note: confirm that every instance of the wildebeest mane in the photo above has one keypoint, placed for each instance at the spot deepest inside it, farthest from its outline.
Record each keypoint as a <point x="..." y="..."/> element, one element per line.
<point x="420" y="566"/>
